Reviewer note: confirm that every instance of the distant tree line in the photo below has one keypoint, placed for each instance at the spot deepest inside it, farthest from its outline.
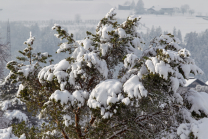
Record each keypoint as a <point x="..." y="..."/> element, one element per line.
<point x="197" y="43"/>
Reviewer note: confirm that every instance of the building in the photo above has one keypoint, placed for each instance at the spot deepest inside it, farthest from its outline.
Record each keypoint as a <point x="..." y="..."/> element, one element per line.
<point x="127" y="6"/>
<point x="192" y="83"/>
<point x="162" y="10"/>
<point x="121" y="7"/>
<point x="154" y="10"/>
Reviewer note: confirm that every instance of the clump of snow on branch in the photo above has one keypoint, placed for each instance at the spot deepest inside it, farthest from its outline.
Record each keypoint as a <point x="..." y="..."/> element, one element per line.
<point x="26" y="70"/>
<point x="77" y="97"/>
<point x="30" y="40"/>
<point x="15" y="114"/>
<point x="198" y="128"/>
<point x="198" y="101"/>
<point x="134" y="88"/>
<point x="7" y="134"/>
<point x="106" y="93"/>
<point x="99" y="64"/>
<point x="130" y="60"/>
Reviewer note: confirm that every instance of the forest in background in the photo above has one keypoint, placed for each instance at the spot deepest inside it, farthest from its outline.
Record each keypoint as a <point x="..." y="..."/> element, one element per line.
<point x="45" y="41"/>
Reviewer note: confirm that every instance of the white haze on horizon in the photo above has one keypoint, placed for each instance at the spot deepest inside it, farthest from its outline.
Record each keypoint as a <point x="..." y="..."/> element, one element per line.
<point x="61" y="9"/>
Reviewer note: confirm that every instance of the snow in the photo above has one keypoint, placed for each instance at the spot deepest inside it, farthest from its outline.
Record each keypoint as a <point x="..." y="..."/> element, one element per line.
<point x="87" y="44"/>
<point x="130" y="61"/>
<point x="126" y="101"/>
<point x="121" y="33"/>
<point x="57" y="70"/>
<point x="77" y="98"/>
<point x="30" y="41"/>
<point x="67" y="120"/>
<point x="163" y="69"/>
<point x="134" y="88"/>
<point x="78" y="95"/>
<point x="198" y="128"/>
<point x="15" y="114"/>
<point x="132" y="17"/>
<point x="99" y="64"/>
<point x="26" y="70"/>
<point x="110" y="13"/>
<point x="198" y="100"/>
<point x="22" y="136"/>
<point x="104" y="94"/>
<point x="105" y="47"/>
<point x="185" y="23"/>
<point x="150" y="66"/>
<point x="105" y="30"/>
<point x="137" y="43"/>
<point x="174" y="84"/>
<point x="5" y="104"/>
<point x="110" y="93"/>
<point x="189" y="81"/>
<point x="7" y="134"/>
<point x="62" y="96"/>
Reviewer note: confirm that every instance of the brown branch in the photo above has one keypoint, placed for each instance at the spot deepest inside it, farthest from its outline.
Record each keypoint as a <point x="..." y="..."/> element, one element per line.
<point x="118" y="133"/>
<point x="64" y="134"/>
<point x="91" y="122"/>
<point x="139" y="118"/>
<point x="62" y="131"/>
<point x="90" y="82"/>
<point x="78" y="129"/>
<point x="80" y="84"/>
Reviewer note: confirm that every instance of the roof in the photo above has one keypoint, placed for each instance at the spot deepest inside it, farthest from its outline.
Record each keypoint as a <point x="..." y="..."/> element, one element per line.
<point x="156" y="8"/>
<point x="193" y="82"/>
<point x="190" y="81"/>
<point x="120" y="7"/>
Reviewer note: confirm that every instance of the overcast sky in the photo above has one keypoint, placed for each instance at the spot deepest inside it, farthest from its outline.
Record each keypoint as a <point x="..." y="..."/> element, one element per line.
<point x="60" y="9"/>
<point x="198" y="4"/>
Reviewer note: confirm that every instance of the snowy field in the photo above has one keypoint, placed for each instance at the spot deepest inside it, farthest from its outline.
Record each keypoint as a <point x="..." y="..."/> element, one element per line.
<point x="185" y="23"/>
<point x="66" y="10"/>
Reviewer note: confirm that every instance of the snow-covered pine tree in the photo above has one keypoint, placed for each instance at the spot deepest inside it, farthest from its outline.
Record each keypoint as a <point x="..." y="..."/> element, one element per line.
<point x="179" y="36"/>
<point x="174" y="31"/>
<point x="13" y="108"/>
<point x="105" y="89"/>
<point x="139" y="8"/>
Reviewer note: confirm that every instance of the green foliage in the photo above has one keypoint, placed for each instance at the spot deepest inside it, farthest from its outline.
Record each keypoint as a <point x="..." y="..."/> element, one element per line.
<point x="22" y="128"/>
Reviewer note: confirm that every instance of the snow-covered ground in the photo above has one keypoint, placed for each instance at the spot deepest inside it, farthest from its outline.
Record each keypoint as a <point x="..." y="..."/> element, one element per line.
<point x="185" y="23"/>
<point x="96" y="9"/>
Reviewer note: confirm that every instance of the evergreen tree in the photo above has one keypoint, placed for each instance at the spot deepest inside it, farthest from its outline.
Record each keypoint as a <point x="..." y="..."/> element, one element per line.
<point x="104" y="89"/>
<point x="132" y="5"/>
<point x="174" y="31"/>
<point x="158" y="31"/>
<point x="139" y="8"/>
<point x="180" y="35"/>
<point x="184" y="8"/>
